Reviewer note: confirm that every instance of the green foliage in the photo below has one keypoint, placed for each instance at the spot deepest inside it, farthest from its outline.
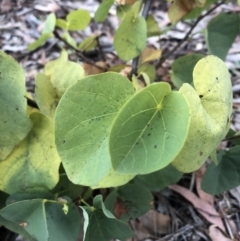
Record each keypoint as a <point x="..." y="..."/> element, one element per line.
<point x="129" y="201"/>
<point x="102" y="11"/>
<point x="128" y="136"/>
<point x="93" y="102"/>
<point x="156" y="181"/>
<point x="144" y="137"/>
<point x="131" y="45"/>
<point x="103" y="225"/>
<point x="13" y="105"/>
<point x="44" y="219"/>
<point x="224" y="28"/>
<point x="224" y="176"/>
<point x="78" y="20"/>
<point x="182" y="69"/>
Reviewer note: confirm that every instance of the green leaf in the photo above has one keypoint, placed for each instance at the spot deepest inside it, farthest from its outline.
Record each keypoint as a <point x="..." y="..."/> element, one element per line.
<point x="78" y="20"/>
<point x="144" y="136"/>
<point x="3" y="198"/>
<point x="51" y="66"/>
<point x="133" y="198"/>
<point x="66" y="188"/>
<point x="211" y="108"/>
<point x="16" y="228"/>
<point x="14" y="123"/>
<point x="88" y="43"/>
<point x="152" y="27"/>
<point x="83" y="121"/>
<point x="70" y="40"/>
<point x="182" y="69"/>
<point x="128" y="46"/>
<point x="224" y="28"/>
<point x="39" y="42"/>
<point x="61" y="23"/>
<point x="196" y="12"/>
<point x="65" y="76"/>
<point x="50" y="23"/>
<point x="103" y="226"/>
<point x="158" y="180"/>
<point x="45" y="95"/>
<point x="44" y="219"/>
<point x="34" y="162"/>
<point x="102" y="11"/>
<point x="224" y="176"/>
<point x="135" y="8"/>
<point x="113" y="179"/>
<point x="149" y="70"/>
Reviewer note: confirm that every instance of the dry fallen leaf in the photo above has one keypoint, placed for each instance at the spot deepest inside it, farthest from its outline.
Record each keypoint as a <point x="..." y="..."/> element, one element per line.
<point x="203" y="207"/>
<point x="150" y="54"/>
<point x="155" y="222"/>
<point x="216" y="235"/>
<point x="141" y="232"/>
<point x="91" y="69"/>
<point x="49" y="7"/>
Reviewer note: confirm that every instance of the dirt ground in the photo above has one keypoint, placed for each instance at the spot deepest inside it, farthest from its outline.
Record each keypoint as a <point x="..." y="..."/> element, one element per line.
<point x="183" y="211"/>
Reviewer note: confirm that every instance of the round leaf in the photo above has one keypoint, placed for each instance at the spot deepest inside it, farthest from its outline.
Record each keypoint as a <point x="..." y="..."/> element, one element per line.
<point x="211" y="109"/>
<point x="83" y="121"/>
<point x="14" y="123"/>
<point x="130" y="38"/>
<point x="149" y="131"/>
<point x="78" y="19"/>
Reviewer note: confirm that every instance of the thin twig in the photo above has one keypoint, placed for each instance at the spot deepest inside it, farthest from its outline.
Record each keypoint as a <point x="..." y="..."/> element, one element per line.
<point x="79" y="53"/>
<point x="145" y="12"/>
<point x="169" y="53"/>
<point x="100" y="48"/>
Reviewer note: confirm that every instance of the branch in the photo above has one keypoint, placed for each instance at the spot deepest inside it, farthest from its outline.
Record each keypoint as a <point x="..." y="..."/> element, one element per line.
<point x="145" y="11"/>
<point x="79" y="53"/>
<point x="169" y="53"/>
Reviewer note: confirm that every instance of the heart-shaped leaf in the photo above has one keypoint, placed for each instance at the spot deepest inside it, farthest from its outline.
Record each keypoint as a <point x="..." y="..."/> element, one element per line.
<point x="44" y="219"/>
<point x="211" y="109"/>
<point x="149" y="131"/>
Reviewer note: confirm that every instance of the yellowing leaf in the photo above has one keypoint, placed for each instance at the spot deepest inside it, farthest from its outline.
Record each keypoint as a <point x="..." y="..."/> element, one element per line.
<point x="123" y="2"/>
<point x="211" y="108"/>
<point x="34" y="162"/>
<point x="179" y="8"/>
<point x="113" y="179"/>
<point x="51" y="66"/>
<point x="150" y="54"/>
